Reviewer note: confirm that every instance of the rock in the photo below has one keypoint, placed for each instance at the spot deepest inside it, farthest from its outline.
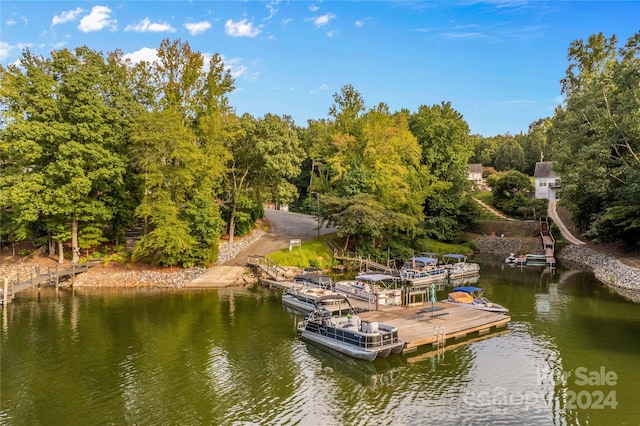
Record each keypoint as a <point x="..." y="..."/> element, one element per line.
<point x="606" y="268"/>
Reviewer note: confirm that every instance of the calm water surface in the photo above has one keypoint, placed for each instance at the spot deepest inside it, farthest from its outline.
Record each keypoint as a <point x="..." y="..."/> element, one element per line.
<point x="148" y="357"/>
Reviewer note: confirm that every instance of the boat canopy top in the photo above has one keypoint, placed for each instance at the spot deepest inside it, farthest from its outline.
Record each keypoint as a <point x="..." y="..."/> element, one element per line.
<point x="314" y="279"/>
<point x="455" y="256"/>
<point x="423" y="259"/>
<point x="468" y="289"/>
<point x="375" y="277"/>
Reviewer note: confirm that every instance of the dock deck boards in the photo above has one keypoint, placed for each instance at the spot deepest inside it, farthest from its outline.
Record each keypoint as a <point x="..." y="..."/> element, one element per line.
<point x="419" y="325"/>
<point x="418" y="329"/>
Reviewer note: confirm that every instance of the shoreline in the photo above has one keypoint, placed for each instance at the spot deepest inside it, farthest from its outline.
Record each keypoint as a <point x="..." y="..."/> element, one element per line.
<point x="607" y="269"/>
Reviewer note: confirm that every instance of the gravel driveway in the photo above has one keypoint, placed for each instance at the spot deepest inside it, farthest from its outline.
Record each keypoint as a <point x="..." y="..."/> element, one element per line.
<point x="284" y="227"/>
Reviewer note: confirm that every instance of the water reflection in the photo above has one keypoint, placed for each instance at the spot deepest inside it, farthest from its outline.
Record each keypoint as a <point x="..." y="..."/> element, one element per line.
<point x="234" y="357"/>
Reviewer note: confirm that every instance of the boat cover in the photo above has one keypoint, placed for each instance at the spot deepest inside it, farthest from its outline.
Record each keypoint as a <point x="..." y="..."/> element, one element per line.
<point x="460" y="297"/>
<point x="468" y="289"/>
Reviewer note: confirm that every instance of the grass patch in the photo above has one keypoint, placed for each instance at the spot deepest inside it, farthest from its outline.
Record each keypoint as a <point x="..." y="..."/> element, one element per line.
<point x="446" y="248"/>
<point x="485" y="196"/>
<point x="311" y="254"/>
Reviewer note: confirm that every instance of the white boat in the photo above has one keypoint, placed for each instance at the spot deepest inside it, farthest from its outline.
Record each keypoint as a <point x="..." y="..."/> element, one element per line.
<point x="422" y="270"/>
<point x="345" y="332"/>
<point x="458" y="267"/>
<point x="473" y="297"/>
<point x="369" y="287"/>
<point x="512" y="259"/>
<point x="302" y="297"/>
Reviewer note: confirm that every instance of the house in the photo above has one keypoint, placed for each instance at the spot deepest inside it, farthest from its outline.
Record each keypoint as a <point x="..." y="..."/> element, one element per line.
<point x="475" y="174"/>
<point x="547" y="181"/>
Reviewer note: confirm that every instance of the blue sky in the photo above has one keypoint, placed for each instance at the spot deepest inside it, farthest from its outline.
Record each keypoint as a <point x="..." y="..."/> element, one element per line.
<point x="498" y="62"/>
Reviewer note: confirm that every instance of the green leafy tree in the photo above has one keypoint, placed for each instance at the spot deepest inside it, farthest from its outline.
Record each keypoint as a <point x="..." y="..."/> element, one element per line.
<point x="66" y="109"/>
<point x="485" y="149"/>
<point x="596" y="137"/>
<point x="372" y="187"/>
<point x="446" y="149"/>
<point x="510" y="190"/>
<point x="264" y="154"/>
<point x="510" y="156"/>
<point x="179" y="149"/>
<point x="535" y="145"/>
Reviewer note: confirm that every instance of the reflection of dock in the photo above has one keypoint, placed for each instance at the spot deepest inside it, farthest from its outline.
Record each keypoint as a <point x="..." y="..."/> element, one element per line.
<point x="453" y="322"/>
<point x="440" y="350"/>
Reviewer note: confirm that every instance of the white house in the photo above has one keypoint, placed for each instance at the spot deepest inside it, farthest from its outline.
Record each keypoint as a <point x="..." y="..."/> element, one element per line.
<point x="475" y="174"/>
<point x="547" y="181"/>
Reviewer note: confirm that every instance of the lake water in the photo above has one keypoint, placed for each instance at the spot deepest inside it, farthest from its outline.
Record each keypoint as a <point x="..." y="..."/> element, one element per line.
<point x="232" y="357"/>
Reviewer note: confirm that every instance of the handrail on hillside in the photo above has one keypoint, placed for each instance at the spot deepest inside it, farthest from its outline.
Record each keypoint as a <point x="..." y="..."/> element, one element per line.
<point x="267" y="265"/>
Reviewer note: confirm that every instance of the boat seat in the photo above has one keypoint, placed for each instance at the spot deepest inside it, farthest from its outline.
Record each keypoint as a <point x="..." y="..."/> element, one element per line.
<point x="369" y="327"/>
<point x="356" y="321"/>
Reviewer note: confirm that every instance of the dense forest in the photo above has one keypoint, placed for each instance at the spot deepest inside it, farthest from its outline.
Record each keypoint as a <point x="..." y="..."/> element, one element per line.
<point x="92" y="145"/>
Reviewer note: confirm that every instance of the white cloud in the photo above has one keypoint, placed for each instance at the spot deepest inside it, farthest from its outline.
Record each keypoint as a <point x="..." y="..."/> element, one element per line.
<point x="322" y="88"/>
<point x="196" y="28"/>
<point x="359" y="23"/>
<point x="320" y="21"/>
<point x="10" y="22"/>
<point x="145" y="54"/>
<point x="331" y="33"/>
<point x="97" y="19"/>
<point x="273" y="9"/>
<point x="146" y="26"/>
<point x="5" y="48"/>
<point x="314" y="8"/>
<point x="235" y="67"/>
<point x="64" y="17"/>
<point x="241" y="29"/>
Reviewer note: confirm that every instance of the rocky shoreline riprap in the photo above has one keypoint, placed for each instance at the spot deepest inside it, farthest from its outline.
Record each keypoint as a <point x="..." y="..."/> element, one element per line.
<point x="174" y="279"/>
<point x="605" y="267"/>
<point x="108" y="277"/>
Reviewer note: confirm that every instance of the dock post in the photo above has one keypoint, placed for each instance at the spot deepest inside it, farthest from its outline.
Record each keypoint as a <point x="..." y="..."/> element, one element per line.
<point x="57" y="277"/>
<point x="4" y="292"/>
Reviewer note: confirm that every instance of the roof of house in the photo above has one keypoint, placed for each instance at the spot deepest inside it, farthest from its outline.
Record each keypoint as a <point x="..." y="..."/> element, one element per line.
<point x="543" y="170"/>
<point x="475" y="168"/>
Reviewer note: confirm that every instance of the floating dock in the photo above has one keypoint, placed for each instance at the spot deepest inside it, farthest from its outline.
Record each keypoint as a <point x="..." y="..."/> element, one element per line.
<point x="424" y="324"/>
<point x="419" y="326"/>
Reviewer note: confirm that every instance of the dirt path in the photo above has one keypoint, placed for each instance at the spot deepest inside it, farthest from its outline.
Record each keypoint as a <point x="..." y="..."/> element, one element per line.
<point x="553" y="214"/>
<point x="491" y="209"/>
<point x="562" y="219"/>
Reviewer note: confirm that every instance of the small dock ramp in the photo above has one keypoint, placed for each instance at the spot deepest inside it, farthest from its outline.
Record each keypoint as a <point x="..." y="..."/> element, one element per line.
<point x="266" y="266"/>
<point x="548" y="243"/>
<point x="219" y="276"/>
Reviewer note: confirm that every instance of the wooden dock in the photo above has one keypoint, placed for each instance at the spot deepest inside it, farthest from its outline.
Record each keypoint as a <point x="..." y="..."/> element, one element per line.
<point x="22" y="282"/>
<point x="419" y="325"/>
<point x="449" y="322"/>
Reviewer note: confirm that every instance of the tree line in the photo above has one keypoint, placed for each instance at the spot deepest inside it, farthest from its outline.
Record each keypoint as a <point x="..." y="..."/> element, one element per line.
<point x="93" y="144"/>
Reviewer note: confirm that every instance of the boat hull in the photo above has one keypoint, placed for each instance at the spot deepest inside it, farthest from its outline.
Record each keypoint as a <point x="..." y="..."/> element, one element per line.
<point x="498" y="309"/>
<point x="353" y="351"/>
